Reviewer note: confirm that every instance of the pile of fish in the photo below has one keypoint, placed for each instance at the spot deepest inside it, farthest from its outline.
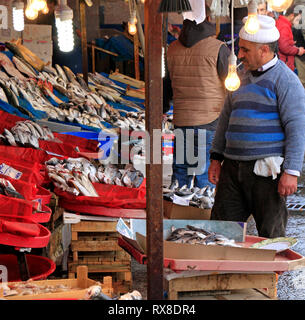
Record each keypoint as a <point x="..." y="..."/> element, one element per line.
<point x="31" y="288"/>
<point x="73" y="175"/>
<point x="128" y="177"/>
<point x="87" y="104"/>
<point x="95" y="293"/>
<point x="76" y="175"/>
<point x="26" y="134"/>
<point x="193" y="235"/>
<point x="196" y="197"/>
<point x="7" y="189"/>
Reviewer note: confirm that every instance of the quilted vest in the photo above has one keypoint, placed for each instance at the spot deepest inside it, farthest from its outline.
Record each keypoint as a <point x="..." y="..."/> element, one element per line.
<point x="198" y="92"/>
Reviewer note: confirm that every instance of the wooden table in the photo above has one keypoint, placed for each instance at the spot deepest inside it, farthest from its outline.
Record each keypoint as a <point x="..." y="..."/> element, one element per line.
<point x="213" y="284"/>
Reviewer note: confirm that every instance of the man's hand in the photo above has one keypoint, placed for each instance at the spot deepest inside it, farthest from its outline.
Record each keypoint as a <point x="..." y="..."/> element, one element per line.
<point x="288" y="184"/>
<point x="214" y="171"/>
<point x="301" y="51"/>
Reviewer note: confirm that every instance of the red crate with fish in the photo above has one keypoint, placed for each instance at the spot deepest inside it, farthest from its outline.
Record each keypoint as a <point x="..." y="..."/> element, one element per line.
<point x="83" y="187"/>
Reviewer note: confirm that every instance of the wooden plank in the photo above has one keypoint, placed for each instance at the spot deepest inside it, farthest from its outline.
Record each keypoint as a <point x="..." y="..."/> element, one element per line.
<point x="74" y="235"/>
<point x="102" y="263"/>
<point x="136" y="93"/>
<point x="82" y="275"/>
<point x="94" y="47"/>
<point x="72" y="218"/>
<point x="84" y="40"/>
<point x="126" y="79"/>
<point x="102" y="268"/>
<point x="75" y="256"/>
<point x="94" y="245"/>
<point x="95" y="226"/>
<point x="93" y="58"/>
<point x="238" y="294"/>
<point x="90" y="260"/>
<point x="101" y="236"/>
<point x="136" y="56"/>
<point x="102" y="256"/>
<point x="222" y="282"/>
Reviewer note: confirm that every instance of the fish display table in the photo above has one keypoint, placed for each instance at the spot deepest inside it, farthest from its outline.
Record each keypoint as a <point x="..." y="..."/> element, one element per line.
<point x="191" y="276"/>
<point x="197" y="283"/>
<point x="284" y="261"/>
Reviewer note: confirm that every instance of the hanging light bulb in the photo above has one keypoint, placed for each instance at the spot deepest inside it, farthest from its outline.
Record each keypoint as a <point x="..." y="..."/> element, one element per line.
<point x="232" y="81"/>
<point x="45" y="10"/>
<point x="132" y="29"/>
<point x="30" y="12"/>
<point x="18" y="15"/>
<point x="279" y="5"/>
<point x="142" y="1"/>
<point x="252" y="23"/>
<point x="64" y="25"/>
<point x="38" y="5"/>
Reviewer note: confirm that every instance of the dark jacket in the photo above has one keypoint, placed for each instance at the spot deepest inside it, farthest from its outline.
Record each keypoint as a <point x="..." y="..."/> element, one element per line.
<point x="191" y="33"/>
<point x="298" y="37"/>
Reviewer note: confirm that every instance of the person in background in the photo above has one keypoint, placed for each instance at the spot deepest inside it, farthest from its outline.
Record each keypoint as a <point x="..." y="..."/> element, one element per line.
<point x="262" y="7"/>
<point x="225" y="32"/>
<point x="298" y="37"/>
<point x="258" y="149"/>
<point x="197" y="66"/>
<point x="287" y="48"/>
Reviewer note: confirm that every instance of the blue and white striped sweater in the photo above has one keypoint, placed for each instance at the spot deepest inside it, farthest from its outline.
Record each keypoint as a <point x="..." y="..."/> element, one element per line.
<point x="264" y="117"/>
<point x="262" y="129"/>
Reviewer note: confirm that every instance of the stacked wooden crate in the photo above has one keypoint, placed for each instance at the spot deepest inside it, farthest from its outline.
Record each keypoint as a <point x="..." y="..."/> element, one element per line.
<point x="95" y="244"/>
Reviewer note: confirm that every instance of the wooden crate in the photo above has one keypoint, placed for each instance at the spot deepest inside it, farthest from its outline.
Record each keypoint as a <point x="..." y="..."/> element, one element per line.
<point x="78" y="286"/>
<point x="57" y="213"/>
<point x="264" y="282"/>
<point x="95" y="244"/>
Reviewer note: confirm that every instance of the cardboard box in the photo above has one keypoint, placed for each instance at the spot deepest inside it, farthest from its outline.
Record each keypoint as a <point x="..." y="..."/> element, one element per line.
<point x="39" y="32"/>
<point x="175" y="211"/>
<point x="136" y="236"/>
<point x="186" y="251"/>
<point x="41" y="48"/>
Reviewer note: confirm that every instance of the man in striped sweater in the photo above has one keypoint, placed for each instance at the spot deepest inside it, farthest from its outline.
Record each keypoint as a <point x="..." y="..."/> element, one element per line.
<point x="260" y="122"/>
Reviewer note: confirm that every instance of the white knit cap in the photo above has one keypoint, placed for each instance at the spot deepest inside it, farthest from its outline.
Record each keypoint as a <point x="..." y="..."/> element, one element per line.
<point x="197" y="13"/>
<point x="267" y="32"/>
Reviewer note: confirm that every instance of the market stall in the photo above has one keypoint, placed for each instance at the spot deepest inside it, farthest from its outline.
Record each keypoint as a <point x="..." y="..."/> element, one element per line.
<point x="68" y="178"/>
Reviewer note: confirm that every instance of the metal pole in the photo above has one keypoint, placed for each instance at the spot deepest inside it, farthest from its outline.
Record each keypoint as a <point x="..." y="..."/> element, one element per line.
<point x="153" y="119"/>
<point x="82" y="5"/>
